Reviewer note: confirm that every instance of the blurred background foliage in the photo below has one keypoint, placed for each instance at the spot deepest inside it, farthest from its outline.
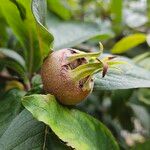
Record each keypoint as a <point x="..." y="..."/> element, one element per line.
<point x="123" y="26"/>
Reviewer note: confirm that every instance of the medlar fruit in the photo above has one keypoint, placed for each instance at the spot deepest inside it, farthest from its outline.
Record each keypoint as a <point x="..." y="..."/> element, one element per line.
<point x="57" y="80"/>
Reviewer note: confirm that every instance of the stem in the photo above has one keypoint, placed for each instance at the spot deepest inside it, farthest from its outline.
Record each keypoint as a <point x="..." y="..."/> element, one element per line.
<point x="45" y="135"/>
<point x="27" y="85"/>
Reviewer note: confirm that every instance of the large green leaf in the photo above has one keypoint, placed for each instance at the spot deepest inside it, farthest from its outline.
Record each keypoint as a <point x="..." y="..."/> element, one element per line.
<point x="45" y="38"/>
<point x="78" y="129"/>
<point x="130" y="76"/>
<point x="33" y="36"/>
<point x="128" y="42"/>
<point x="21" y="131"/>
<point x="10" y="106"/>
<point x="71" y="33"/>
<point x="24" y="133"/>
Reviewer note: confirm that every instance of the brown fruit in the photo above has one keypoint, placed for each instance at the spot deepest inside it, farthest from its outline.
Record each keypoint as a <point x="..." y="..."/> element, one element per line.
<point x="58" y="81"/>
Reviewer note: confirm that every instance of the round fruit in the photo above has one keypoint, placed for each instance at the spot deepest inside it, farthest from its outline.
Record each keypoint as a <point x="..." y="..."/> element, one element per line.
<point x="57" y="80"/>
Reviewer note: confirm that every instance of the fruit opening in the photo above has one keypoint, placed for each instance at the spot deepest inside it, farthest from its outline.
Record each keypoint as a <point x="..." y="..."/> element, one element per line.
<point x="74" y="64"/>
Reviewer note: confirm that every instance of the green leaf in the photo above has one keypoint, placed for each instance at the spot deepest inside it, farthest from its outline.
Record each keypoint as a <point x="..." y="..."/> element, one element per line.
<point x="10" y="106"/>
<point x="78" y="129"/>
<point x="64" y="11"/>
<point x="35" y="39"/>
<point x="142" y="146"/>
<point x="3" y="31"/>
<point x="11" y="64"/>
<point x="71" y="33"/>
<point x="144" y="96"/>
<point x="128" y="42"/>
<point x="13" y="55"/>
<point x="45" y="38"/>
<point x="36" y="81"/>
<point x="143" y="60"/>
<point x="19" y="27"/>
<point x="39" y="10"/>
<point x="142" y="56"/>
<point x="131" y="76"/>
<point x="24" y="133"/>
<point x="12" y="60"/>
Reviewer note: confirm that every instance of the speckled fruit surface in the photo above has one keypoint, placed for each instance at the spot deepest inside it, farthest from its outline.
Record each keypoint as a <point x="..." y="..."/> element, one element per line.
<point x="55" y="73"/>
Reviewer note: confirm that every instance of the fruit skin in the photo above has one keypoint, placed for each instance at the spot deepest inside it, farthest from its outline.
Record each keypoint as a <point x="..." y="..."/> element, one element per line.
<point x="58" y="81"/>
